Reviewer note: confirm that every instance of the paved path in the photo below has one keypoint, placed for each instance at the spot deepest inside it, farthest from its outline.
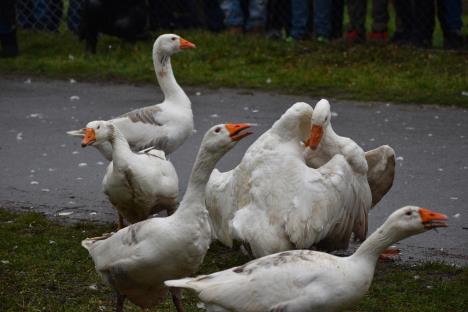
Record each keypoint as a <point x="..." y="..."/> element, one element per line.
<point x="43" y="169"/>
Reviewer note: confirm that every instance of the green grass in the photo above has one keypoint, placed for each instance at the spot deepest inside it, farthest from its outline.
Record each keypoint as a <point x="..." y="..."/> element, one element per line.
<point x="364" y="72"/>
<point x="44" y="268"/>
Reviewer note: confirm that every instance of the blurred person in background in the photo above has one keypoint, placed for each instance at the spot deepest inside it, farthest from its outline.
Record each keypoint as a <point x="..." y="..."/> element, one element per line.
<point x="40" y="14"/>
<point x="357" y="11"/>
<point x="126" y="19"/>
<point x="74" y="15"/>
<point x="328" y="19"/>
<point x="300" y="11"/>
<point x="8" y="29"/>
<point x="450" y="13"/>
<point x="244" y="16"/>
<point x="416" y="22"/>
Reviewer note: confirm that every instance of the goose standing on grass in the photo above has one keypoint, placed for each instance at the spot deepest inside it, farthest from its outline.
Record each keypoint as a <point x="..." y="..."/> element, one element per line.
<point x="304" y="280"/>
<point x="272" y="201"/>
<point x="136" y="260"/>
<point x="137" y="184"/>
<point x="164" y="126"/>
<point x="377" y="166"/>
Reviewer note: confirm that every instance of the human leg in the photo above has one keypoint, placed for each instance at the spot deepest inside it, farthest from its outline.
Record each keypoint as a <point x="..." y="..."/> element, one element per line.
<point x="357" y="20"/>
<point x="234" y="17"/>
<point x="257" y="16"/>
<point x="449" y="13"/>
<point x="8" y="29"/>
<point x="322" y="20"/>
<point x="299" y="18"/>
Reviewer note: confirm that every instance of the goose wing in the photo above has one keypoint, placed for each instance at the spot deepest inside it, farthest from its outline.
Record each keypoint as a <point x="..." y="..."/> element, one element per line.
<point x="381" y="172"/>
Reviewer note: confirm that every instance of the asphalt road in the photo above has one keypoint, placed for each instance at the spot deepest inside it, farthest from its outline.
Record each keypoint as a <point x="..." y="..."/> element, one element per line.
<point x="43" y="169"/>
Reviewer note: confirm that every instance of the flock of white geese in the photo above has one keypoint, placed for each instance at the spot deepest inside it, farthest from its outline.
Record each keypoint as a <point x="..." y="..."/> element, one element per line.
<point x="299" y="186"/>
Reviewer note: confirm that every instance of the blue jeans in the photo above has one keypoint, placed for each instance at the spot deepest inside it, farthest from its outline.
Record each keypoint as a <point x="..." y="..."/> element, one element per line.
<point x="449" y="13"/>
<point x="234" y="16"/>
<point x="73" y="15"/>
<point x="322" y="18"/>
<point x="299" y="17"/>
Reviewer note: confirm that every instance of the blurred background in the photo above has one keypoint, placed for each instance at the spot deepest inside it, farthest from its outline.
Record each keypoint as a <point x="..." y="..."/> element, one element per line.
<point x="418" y="23"/>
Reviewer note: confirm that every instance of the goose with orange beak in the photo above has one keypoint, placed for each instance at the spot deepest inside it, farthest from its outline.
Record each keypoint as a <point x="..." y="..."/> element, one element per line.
<point x="305" y="280"/>
<point x="136" y="260"/>
<point x="272" y="201"/>
<point x="137" y="184"/>
<point x="164" y="126"/>
<point x="378" y="165"/>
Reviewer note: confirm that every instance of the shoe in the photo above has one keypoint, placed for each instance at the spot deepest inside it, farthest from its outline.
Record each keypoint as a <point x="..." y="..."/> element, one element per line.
<point x="256" y="30"/>
<point x="354" y="36"/>
<point x="322" y="39"/>
<point x="235" y="30"/>
<point x="453" y="41"/>
<point x="378" y="36"/>
<point x="9" y="45"/>
<point x="401" y="38"/>
<point x="273" y="34"/>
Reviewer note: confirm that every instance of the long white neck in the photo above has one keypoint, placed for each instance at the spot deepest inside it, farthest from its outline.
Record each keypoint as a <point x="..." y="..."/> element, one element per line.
<point x="120" y="149"/>
<point x="382" y="238"/>
<point x="105" y="148"/>
<point x="169" y="86"/>
<point x="195" y="193"/>
<point x="330" y="137"/>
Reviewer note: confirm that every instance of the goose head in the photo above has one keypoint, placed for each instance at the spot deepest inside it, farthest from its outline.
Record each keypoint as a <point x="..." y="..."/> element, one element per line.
<point x="320" y="121"/>
<point x="221" y="138"/>
<point x="96" y="132"/>
<point x="295" y="122"/>
<point x="411" y="220"/>
<point x="169" y="44"/>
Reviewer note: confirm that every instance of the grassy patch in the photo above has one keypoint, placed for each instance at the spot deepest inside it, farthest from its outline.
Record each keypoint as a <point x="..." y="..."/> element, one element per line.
<point x="44" y="268"/>
<point x="364" y="72"/>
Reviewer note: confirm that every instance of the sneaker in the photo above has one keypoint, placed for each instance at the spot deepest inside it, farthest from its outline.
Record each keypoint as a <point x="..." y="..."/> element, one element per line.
<point x="322" y="39"/>
<point x="354" y="36"/>
<point x="453" y="41"/>
<point x="235" y="30"/>
<point x="378" y="36"/>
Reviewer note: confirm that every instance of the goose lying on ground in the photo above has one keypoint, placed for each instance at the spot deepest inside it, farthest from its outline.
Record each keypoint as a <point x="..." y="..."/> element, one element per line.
<point x="137" y="184"/>
<point x="136" y="260"/>
<point x="378" y="165"/>
<point x="272" y="201"/>
<point x="303" y="280"/>
<point x="164" y="126"/>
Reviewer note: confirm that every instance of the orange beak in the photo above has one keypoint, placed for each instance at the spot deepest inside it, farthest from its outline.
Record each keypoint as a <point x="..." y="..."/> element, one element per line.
<point x="432" y="219"/>
<point x="185" y="44"/>
<point x="235" y="129"/>
<point x="89" y="137"/>
<point x="316" y="134"/>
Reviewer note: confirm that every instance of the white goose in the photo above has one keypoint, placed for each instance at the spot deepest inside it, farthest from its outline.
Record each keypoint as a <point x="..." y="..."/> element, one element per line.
<point x="137" y="184"/>
<point x="377" y="166"/>
<point x="304" y="280"/>
<point x="164" y="126"/>
<point x="272" y="201"/>
<point x="136" y="260"/>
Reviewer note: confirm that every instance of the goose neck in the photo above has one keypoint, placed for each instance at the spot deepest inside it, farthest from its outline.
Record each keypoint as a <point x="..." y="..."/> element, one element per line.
<point x="202" y="168"/>
<point x="330" y="136"/>
<point x="167" y="82"/>
<point x="375" y="244"/>
<point x="120" y="147"/>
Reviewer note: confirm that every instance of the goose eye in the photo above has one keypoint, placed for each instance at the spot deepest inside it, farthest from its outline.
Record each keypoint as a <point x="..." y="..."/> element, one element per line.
<point x="217" y="129"/>
<point x="409" y="213"/>
<point x="173" y="38"/>
<point x="99" y="127"/>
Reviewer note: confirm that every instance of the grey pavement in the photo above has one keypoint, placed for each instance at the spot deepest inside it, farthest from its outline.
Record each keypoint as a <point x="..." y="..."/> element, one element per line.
<point x="43" y="169"/>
